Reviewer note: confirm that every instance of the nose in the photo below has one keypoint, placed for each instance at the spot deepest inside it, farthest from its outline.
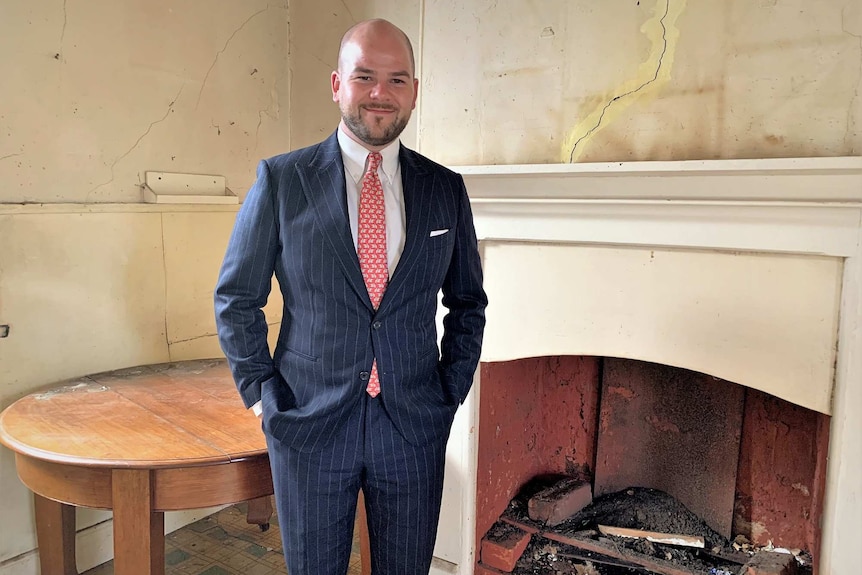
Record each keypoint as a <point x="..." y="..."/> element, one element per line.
<point x="380" y="90"/>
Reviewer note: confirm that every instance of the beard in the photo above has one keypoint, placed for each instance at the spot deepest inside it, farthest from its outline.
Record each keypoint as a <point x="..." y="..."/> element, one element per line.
<point x="365" y="132"/>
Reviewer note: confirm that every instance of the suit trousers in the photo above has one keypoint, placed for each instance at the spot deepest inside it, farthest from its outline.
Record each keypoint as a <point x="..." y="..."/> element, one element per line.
<point x="316" y="495"/>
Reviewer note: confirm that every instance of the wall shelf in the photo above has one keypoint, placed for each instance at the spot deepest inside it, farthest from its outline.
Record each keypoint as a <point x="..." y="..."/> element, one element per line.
<point x="173" y="188"/>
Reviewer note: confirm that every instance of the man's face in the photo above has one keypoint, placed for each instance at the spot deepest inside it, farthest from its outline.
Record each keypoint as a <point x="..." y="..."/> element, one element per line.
<point x="375" y="88"/>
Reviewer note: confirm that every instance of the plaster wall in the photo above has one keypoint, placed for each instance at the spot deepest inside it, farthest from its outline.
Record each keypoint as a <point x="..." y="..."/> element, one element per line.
<point x="558" y="81"/>
<point x="96" y="93"/>
<point x="93" y="95"/>
<point x="93" y="288"/>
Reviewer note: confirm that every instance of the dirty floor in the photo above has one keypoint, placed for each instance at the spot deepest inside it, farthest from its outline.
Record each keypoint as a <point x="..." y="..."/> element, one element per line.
<point x="224" y="544"/>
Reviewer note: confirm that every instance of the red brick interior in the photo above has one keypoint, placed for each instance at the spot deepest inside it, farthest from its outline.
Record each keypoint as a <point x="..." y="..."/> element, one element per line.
<point x="541" y="415"/>
<point x="537" y="415"/>
<point x="782" y="473"/>
<point x="670" y="429"/>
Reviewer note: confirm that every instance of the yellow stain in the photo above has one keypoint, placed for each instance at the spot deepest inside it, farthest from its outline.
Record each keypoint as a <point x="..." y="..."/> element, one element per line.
<point x="652" y="75"/>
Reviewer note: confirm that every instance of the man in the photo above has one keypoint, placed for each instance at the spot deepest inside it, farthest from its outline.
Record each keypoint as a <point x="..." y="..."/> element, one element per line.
<point x="361" y="234"/>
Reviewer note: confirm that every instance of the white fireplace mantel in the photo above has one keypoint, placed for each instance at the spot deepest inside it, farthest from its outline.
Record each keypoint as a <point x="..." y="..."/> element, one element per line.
<point x="749" y="270"/>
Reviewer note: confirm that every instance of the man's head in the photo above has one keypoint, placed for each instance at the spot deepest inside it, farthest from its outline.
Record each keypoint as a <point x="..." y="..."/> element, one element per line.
<point x="375" y="85"/>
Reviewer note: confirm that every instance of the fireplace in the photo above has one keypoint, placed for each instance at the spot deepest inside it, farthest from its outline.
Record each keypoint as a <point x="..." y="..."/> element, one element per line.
<point x="747" y="271"/>
<point x="743" y="461"/>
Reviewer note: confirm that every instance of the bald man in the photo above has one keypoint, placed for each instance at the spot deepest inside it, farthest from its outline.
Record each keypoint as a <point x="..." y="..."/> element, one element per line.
<point x="362" y="234"/>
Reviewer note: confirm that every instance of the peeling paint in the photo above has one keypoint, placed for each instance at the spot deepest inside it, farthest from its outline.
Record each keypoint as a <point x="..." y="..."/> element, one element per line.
<point x="652" y="75"/>
<point x="802" y="489"/>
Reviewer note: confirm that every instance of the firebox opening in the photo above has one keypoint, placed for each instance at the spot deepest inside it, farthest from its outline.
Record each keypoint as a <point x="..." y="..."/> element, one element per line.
<point x="744" y="462"/>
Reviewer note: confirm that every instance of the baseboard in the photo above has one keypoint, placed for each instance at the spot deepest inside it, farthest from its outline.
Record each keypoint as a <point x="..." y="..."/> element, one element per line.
<point x="95" y="544"/>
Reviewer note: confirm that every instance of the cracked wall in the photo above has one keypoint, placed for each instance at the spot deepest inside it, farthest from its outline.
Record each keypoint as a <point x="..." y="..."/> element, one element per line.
<point x="552" y="82"/>
<point x="92" y="95"/>
<point x="96" y="93"/>
<point x="91" y="288"/>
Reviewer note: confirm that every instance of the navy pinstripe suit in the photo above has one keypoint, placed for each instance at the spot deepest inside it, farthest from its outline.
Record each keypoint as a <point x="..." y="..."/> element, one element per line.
<point x="327" y="437"/>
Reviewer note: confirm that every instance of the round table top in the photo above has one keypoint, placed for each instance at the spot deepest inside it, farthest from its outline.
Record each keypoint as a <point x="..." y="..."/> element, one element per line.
<point x="155" y="416"/>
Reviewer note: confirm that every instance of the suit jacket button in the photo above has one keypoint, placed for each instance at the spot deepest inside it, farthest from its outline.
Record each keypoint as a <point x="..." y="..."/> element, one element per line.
<point x="376" y="325"/>
<point x="364" y="375"/>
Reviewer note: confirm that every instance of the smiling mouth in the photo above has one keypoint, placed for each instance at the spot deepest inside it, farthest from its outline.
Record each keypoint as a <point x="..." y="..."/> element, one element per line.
<point x="378" y="109"/>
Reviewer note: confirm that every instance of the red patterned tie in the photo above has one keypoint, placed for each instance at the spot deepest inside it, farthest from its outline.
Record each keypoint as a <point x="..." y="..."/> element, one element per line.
<point x="372" y="246"/>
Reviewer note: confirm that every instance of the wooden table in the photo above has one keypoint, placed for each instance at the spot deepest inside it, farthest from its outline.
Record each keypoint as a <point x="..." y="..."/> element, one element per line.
<point x="140" y="441"/>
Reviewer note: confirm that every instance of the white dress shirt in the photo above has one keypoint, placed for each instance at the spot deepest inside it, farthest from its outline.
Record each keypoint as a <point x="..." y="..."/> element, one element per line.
<point x="355" y="158"/>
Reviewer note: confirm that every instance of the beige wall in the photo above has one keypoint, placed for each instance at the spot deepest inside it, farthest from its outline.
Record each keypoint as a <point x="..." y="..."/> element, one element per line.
<point x="558" y="81"/>
<point x="98" y="287"/>
<point x="96" y="93"/>
<point x="522" y="82"/>
<point x="92" y="95"/>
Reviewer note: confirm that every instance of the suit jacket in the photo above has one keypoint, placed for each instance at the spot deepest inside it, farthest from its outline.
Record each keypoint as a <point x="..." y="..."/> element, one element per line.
<point x="294" y="223"/>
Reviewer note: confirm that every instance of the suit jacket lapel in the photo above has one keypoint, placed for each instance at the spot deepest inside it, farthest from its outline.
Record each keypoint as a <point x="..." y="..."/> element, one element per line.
<point x="324" y="186"/>
<point x="416" y="183"/>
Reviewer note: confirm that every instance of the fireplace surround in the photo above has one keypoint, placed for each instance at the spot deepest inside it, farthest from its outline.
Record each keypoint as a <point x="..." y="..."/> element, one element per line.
<point x="746" y="270"/>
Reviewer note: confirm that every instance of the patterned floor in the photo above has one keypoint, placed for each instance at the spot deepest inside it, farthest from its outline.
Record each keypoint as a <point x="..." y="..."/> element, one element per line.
<point x="224" y="544"/>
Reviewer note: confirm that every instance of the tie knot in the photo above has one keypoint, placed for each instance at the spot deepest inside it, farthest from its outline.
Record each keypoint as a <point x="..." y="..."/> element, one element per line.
<point x="374" y="159"/>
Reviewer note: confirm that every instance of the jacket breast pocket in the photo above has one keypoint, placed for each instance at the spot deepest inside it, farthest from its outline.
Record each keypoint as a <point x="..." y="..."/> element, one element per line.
<point x="439" y="239"/>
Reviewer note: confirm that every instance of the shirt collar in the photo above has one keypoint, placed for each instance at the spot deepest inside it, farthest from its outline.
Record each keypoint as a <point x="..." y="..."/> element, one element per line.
<point x="355" y="157"/>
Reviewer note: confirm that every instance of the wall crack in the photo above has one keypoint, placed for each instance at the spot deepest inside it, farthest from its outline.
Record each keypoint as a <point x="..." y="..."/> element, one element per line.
<point x="273" y="111"/>
<point x="630" y="92"/>
<point x="349" y="13"/>
<point x="852" y="104"/>
<point x="220" y="52"/>
<point x="206" y="335"/>
<point x="63" y="30"/>
<point x="138" y="141"/>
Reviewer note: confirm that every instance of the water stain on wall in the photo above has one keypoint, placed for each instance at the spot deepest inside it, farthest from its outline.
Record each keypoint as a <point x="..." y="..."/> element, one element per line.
<point x="652" y="75"/>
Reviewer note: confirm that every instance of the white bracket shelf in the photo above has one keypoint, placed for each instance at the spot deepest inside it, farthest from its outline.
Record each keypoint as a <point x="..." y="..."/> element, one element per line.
<point x="172" y="188"/>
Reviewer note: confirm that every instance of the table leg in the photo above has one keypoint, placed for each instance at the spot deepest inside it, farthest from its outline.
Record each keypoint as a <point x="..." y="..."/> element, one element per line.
<point x="259" y="512"/>
<point x="55" y="533"/>
<point x="139" y="531"/>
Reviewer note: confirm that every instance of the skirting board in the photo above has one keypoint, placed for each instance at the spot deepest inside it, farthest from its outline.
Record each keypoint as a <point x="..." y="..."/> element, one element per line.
<point x="95" y="544"/>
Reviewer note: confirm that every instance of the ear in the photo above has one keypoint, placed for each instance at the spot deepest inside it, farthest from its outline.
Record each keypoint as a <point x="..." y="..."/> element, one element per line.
<point x="335" y="80"/>
<point x="415" y="92"/>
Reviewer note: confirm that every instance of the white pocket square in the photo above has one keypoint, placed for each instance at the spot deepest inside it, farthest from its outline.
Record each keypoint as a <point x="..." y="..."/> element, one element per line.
<point x="435" y="233"/>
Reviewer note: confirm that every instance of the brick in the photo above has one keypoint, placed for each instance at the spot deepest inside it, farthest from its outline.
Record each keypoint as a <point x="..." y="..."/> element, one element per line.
<point x="768" y="563"/>
<point x="503" y="545"/>
<point x="557" y="503"/>
<point x="482" y="569"/>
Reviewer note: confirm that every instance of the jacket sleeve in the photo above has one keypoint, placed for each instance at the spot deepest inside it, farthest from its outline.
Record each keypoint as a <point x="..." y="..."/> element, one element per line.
<point x="243" y="287"/>
<point x="465" y="299"/>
